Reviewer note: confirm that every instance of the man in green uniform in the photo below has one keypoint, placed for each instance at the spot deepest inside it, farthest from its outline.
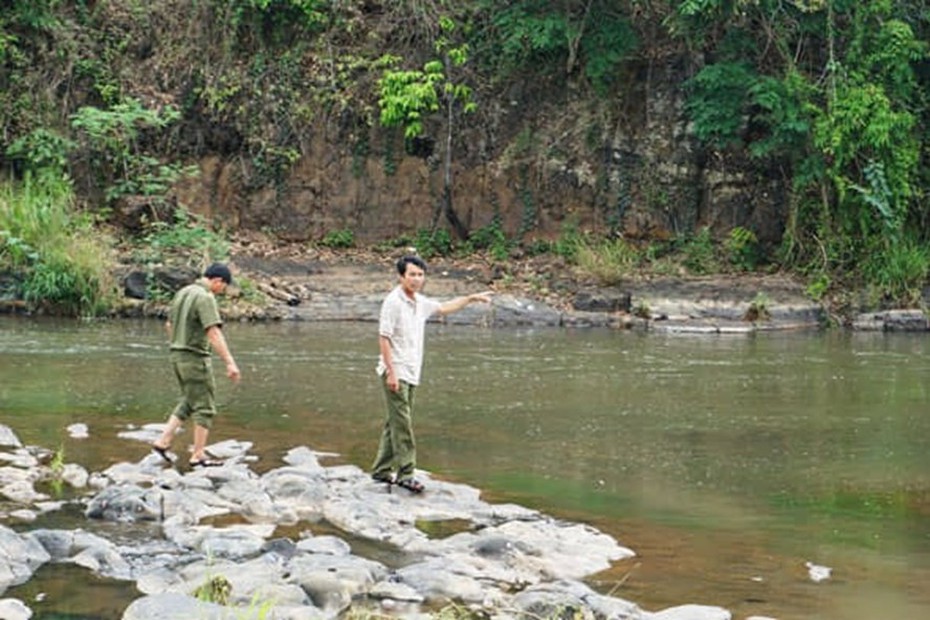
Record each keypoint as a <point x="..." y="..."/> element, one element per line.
<point x="193" y="322"/>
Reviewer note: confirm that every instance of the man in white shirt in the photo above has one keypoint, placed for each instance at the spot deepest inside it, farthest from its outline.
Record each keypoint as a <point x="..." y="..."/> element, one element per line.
<point x="401" y="328"/>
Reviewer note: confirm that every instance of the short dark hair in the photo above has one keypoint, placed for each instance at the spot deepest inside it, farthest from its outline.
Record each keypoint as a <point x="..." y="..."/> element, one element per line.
<point x="410" y="260"/>
<point x="218" y="270"/>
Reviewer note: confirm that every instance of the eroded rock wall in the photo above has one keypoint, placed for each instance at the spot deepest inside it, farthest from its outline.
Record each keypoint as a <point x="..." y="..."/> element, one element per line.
<point x="539" y="161"/>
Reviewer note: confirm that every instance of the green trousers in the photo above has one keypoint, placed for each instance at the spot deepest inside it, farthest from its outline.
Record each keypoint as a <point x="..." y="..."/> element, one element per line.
<point x="397" y="450"/>
<point x="195" y="378"/>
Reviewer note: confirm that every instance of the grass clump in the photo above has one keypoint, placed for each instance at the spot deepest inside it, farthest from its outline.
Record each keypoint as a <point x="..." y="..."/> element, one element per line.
<point x="608" y="261"/>
<point x="57" y="255"/>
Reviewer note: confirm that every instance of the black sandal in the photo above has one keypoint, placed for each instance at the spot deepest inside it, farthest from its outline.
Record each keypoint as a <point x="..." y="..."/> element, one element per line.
<point x="205" y="463"/>
<point x="414" y="486"/>
<point x="163" y="453"/>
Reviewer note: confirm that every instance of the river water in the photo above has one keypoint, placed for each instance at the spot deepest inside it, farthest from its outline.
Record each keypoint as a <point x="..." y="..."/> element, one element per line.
<point x="725" y="462"/>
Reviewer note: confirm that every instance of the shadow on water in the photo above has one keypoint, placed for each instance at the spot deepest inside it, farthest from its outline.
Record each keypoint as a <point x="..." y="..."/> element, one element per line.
<point x="726" y="463"/>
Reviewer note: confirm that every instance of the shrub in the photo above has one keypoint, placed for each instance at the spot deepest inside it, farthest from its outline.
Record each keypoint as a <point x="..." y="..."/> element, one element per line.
<point x="569" y="241"/>
<point x="491" y="238"/>
<point x="698" y="252"/>
<point x="343" y="238"/>
<point x="188" y="235"/>
<point x="435" y="243"/>
<point x="742" y="248"/>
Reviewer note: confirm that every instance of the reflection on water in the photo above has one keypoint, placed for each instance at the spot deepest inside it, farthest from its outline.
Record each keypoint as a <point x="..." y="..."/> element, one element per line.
<point x="724" y="462"/>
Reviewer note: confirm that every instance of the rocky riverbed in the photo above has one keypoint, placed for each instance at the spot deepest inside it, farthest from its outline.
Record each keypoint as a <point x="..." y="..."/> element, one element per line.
<point x="302" y="283"/>
<point x="210" y="542"/>
<point x="299" y="283"/>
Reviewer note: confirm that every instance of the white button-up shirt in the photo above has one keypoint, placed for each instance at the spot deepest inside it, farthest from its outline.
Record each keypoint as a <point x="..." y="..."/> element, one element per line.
<point x="403" y="322"/>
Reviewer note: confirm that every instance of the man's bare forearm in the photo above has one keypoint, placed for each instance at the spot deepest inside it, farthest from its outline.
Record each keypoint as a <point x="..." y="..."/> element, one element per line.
<point x="218" y="342"/>
<point x="454" y="305"/>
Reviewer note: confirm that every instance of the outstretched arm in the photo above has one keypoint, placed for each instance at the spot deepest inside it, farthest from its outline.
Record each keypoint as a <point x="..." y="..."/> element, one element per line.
<point x="218" y="342"/>
<point x="454" y="305"/>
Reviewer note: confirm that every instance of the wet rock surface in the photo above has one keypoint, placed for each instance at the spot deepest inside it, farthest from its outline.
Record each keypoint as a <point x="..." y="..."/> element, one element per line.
<point x="205" y="543"/>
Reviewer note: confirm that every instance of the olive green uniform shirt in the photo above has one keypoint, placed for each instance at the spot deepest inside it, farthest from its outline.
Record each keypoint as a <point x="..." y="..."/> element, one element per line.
<point x="193" y="311"/>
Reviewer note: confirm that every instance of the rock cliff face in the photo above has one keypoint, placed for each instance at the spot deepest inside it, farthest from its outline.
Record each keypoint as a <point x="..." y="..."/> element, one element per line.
<point x="283" y="124"/>
<point x="537" y="162"/>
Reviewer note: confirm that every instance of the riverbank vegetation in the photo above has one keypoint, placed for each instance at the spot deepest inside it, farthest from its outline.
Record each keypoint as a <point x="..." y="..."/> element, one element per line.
<point x="826" y="102"/>
<point x="57" y="258"/>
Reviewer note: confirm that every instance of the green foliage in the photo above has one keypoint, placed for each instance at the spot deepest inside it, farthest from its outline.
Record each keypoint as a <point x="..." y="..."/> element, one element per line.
<point x="537" y="247"/>
<point x="717" y="99"/>
<point x="36" y="209"/>
<point x="742" y="248"/>
<point x="433" y="243"/>
<point x="60" y="286"/>
<point x="862" y="126"/>
<point x="259" y="17"/>
<point x="898" y="272"/>
<point x="544" y="37"/>
<point x="343" y="238"/>
<point x="491" y="238"/>
<point x="570" y="240"/>
<point x="215" y="589"/>
<point x="608" y="41"/>
<point x="781" y="107"/>
<point x="41" y="150"/>
<point x="272" y="163"/>
<point x="111" y="141"/>
<point x="698" y="253"/>
<point x="360" y="151"/>
<point x="528" y="33"/>
<point x="879" y="196"/>
<point x="36" y="15"/>
<point x="406" y="96"/>
<point x="188" y="236"/>
<point x="62" y="259"/>
<point x="818" y="287"/>
<point x="608" y="261"/>
<point x="14" y="252"/>
<point x="835" y="99"/>
<point x="758" y="309"/>
<point x="424" y="243"/>
<point x="248" y="291"/>
<point x="57" y="468"/>
<point x="697" y="21"/>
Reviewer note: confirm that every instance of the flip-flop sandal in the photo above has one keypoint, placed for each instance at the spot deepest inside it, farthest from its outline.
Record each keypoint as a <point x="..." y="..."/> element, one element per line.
<point x="411" y="485"/>
<point x="205" y="463"/>
<point x="163" y="453"/>
<point x="386" y="479"/>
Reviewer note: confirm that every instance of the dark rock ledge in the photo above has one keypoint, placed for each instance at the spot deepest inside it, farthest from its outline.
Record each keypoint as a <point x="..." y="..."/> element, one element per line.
<point x="216" y="528"/>
<point x="332" y="292"/>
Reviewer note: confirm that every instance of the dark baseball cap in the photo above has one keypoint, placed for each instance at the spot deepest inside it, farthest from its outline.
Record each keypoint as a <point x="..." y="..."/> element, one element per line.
<point x="219" y="270"/>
